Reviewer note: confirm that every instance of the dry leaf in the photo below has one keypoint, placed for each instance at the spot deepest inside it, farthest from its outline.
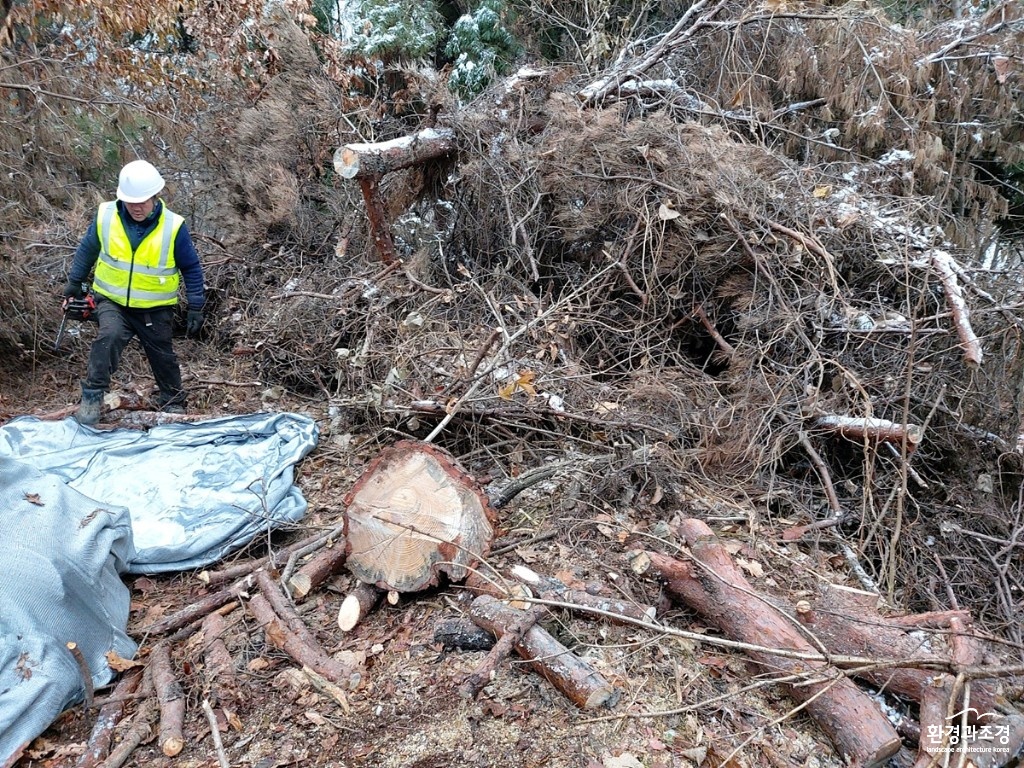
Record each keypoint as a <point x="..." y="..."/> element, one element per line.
<point x="656" y="497"/>
<point x="528" y="554"/>
<point x="605" y="408"/>
<point x="120" y="664"/>
<point x="665" y="213"/>
<point x="276" y="634"/>
<point x="640" y="563"/>
<point x="848" y="218"/>
<point x="1001" y="64"/>
<point x="33" y="498"/>
<point x="315" y="718"/>
<point x="792" y="534"/>
<point x="523" y="381"/>
<point x="751" y="566"/>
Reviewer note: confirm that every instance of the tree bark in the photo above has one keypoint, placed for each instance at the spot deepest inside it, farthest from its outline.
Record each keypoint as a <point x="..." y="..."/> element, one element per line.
<point x="171" y="698"/>
<point x="324" y="564"/>
<point x="463" y="635"/>
<point x="718" y="590"/>
<point x="571" y="675"/>
<point x="358" y="161"/>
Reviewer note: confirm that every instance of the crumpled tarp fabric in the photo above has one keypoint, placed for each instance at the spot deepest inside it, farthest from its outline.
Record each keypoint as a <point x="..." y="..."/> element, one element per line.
<point x="81" y="506"/>
<point x="60" y="583"/>
<point x="195" y="492"/>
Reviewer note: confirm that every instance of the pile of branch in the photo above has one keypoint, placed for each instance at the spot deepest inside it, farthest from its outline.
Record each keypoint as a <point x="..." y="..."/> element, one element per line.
<point x="931" y="659"/>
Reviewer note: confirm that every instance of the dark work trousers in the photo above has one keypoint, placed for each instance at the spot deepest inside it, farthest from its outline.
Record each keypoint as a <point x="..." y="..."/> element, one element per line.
<point x="154" y="328"/>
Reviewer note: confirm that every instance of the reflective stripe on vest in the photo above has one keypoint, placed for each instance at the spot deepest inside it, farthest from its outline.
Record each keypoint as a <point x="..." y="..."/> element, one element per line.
<point x="148" y="277"/>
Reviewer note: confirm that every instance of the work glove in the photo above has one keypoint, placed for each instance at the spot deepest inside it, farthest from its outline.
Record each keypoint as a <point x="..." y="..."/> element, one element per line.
<point x="193" y="322"/>
<point x="75" y="289"/>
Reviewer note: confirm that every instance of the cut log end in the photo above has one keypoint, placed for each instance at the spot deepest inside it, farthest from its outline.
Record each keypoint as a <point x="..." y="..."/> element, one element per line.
<point x="413" y="515"/>
<point x="172" y="746"/>
<point x="300" y="585"/>
<point x="357" y="604"/>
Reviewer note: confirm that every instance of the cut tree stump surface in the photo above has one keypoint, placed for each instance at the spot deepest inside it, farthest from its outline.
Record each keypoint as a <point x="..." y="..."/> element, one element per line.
<point x="412" y="515"/>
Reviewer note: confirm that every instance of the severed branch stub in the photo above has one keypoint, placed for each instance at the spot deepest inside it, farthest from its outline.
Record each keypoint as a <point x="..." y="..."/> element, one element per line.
<point x="874" y="430"/>
<point x="320" y="568"/>
<point x="413" y="515"/>
<point x="360" y="601"/>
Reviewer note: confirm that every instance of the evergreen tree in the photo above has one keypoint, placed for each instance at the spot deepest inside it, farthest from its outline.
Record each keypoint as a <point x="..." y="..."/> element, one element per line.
<point x="480" y="47"/>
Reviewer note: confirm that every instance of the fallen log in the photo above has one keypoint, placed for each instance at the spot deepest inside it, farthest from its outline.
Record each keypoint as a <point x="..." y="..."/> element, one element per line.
<point x="850" y="626"/>
<point x="197" y="610"/>
<point x="307" y="653"/>
<point x="511" y="635"/>
<point x="846" y="625"/>
<point x="171" y="699"/>
<point x="102" y="733"/>
<point x="357" y="161"/>
<point x="361" y="600"/>
<point x="548" y="588"/>
<point x="312" y="574"/>
<point x="874" y="430"/>
<point x="141" y="730"/>
<point x="714" y="586"/>
<point x="568" y="673"/>
<point x="219" y="668"/>
<point x="947" y="269"/>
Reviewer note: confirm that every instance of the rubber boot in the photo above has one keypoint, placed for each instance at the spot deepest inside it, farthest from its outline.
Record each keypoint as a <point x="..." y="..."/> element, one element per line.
<point x="89" y="408"/>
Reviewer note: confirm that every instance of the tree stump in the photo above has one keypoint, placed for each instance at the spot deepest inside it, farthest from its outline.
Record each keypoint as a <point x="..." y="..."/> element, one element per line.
<point x="412" y="515"/>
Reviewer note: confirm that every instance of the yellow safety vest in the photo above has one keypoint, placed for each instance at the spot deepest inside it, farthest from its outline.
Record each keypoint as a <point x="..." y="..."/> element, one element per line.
<point x="146" y="278"/>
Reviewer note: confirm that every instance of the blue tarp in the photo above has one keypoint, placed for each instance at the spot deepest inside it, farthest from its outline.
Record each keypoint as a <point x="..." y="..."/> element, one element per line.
<point x="79" y="507"/>
<point x="194" y="491"/>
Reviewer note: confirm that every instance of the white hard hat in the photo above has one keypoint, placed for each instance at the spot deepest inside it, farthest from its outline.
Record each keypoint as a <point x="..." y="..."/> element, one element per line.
<point x="138" y="182"/>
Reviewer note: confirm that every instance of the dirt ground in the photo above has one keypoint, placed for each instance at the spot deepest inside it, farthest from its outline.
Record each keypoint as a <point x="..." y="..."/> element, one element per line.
<point x="679" y="703"/>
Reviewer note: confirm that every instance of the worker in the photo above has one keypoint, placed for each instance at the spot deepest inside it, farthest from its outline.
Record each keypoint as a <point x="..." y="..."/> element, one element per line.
<point x="140" y="251"/>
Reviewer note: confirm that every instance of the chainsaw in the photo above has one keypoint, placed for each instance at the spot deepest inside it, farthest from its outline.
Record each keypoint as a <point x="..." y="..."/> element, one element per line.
<point x="74" y="309"/>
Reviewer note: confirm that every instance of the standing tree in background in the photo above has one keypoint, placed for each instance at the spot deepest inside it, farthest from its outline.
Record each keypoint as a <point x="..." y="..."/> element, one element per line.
<point x="480" y="47"/>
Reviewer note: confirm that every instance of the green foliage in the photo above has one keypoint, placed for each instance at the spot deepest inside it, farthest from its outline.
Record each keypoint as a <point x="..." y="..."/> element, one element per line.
<point x="481" y="47"/>
<point x="391" y="30"/>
